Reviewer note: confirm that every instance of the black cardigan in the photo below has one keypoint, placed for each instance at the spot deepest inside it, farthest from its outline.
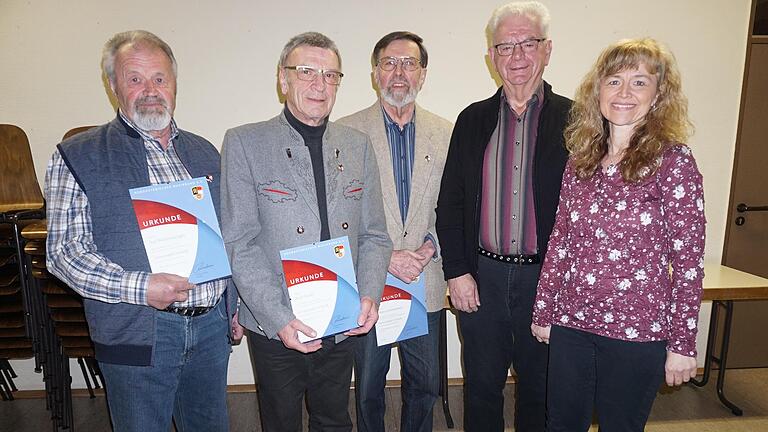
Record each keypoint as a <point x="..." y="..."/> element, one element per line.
<point x="458" y="205"/>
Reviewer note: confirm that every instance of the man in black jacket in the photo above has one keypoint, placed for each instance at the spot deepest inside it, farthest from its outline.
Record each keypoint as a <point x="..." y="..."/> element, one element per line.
<point x="495" y="213"/>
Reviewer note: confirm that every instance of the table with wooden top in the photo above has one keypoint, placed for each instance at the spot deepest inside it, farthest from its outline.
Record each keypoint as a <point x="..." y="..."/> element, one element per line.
<point x="724" y="285"/>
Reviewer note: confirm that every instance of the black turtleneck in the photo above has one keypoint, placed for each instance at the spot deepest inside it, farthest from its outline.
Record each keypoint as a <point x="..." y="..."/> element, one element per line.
<point x="313" y="139"/>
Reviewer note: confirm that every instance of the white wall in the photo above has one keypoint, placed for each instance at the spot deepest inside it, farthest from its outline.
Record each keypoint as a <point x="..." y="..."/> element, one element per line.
<point x="227" y="51"/>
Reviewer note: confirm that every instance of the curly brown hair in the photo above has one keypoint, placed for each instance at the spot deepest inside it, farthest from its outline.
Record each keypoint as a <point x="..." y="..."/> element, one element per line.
<point x="665" y="124"/>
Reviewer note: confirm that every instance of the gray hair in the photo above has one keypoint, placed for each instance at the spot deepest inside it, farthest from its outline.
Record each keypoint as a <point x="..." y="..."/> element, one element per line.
<point x="313" y="39"/>
<point x="136" y="38"/>
<point x="532" y="10"/>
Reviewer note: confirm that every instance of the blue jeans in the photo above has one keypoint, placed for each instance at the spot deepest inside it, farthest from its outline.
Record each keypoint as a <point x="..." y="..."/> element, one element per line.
<point x="420" y="379"/>
<point x="618" y="378"/>
<point x="187" y="378"/>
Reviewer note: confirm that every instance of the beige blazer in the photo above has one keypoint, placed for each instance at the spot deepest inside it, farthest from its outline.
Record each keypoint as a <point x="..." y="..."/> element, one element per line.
<point x="433" y="134"/>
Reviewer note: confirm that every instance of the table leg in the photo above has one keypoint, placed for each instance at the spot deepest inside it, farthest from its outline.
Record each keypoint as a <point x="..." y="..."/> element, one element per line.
<point x="444" y="370"/>
<point x="722" y="358"/>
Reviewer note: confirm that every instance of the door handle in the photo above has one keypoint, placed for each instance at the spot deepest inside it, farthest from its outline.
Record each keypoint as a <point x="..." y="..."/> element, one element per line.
<point x="741" y="208"/>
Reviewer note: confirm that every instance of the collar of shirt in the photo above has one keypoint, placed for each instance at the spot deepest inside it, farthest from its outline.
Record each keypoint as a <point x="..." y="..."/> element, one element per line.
<point x="147" y="137"/>
<point x="309" y="133"/>
<point x="537" y="96"/>
<point x="391" y="124"/>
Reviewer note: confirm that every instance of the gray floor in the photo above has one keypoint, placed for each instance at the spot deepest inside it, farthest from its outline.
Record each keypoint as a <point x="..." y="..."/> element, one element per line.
<point x="683" y="409"/>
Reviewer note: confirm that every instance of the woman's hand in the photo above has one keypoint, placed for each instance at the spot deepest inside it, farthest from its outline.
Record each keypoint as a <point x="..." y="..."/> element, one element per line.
<point x="541" y="333"/>
<point x="679" y="368"/>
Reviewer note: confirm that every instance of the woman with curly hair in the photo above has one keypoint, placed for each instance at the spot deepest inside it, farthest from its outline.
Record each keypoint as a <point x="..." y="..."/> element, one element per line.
<point x="620" y="289"/>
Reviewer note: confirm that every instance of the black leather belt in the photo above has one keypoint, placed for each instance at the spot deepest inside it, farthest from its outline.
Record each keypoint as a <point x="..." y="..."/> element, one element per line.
<point x="512" y="259"/>
<point x="189" y="311"/>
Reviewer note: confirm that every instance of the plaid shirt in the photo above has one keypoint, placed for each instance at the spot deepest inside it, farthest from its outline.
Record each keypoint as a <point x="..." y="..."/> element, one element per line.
<point x="71" y="253"/>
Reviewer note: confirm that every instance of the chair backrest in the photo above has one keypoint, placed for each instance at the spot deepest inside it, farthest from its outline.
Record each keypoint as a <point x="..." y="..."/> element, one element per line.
<point x="75" y="131"/>
<point x="23" y="193"/>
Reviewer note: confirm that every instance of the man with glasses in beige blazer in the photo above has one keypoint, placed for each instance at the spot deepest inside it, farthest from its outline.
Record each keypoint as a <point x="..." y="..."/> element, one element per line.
<point x="411" y="146"/>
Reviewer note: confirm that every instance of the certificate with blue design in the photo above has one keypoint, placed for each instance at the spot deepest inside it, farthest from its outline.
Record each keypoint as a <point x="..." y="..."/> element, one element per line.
<point x="322" y="286"/>
<point x="180" y="230"/>
<point x="402" y="311"/>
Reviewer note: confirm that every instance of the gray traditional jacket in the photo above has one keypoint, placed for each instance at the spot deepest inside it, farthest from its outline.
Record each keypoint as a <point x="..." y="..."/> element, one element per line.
<point x="269" y="203"/>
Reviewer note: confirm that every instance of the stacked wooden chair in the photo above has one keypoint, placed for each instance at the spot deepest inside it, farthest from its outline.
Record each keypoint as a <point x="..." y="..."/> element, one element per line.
<point x="65" y="331"/>
<point x="67" y="312"/>
<point x="48" y="323"/>
<point x="20" y="203"/>
<point x="14" y="343"/>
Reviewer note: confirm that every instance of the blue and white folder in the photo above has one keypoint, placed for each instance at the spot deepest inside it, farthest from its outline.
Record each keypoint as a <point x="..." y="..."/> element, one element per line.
<point x="180" y="230"/>
<point x="322" y="287"/>
<point x="402" y="311"/>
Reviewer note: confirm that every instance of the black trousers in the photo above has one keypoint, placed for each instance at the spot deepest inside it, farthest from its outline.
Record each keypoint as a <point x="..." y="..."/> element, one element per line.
<point x="286" y="376"/>
<point x="618" y="378"/>
<point x="499" y="335"/>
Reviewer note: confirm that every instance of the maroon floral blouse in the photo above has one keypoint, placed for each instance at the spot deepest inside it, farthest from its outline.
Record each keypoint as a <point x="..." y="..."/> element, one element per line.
<point x="607" y="269"/>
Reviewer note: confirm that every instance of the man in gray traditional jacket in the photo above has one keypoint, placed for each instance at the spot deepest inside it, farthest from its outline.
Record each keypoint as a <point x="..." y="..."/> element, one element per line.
<point x="291" y="181"/>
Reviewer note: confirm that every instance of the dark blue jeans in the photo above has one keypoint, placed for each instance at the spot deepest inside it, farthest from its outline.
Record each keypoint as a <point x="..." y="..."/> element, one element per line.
<point x="618" y="378"/>
<point x="499" y="335"/>
<point x="419" y="368"/>
<point x="187" y="378"/>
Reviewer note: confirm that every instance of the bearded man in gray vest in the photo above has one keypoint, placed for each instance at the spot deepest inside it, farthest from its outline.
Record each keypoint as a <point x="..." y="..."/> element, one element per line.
<point x="162" y="342"/>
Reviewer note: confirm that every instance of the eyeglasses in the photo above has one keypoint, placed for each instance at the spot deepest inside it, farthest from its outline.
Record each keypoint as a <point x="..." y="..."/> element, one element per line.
<point x="308" y="73"/>
<point x="390" y="63"/>
<point x="528" y="46"/>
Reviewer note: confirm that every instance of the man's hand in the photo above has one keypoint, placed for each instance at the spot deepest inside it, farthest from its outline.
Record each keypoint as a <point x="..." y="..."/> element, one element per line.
<point x="679" y="368"/>
<point x="237" y="330"/>
<point x="369" y="314"/>
<point x="541" y="333"/>
<point x="290" y="338"/>
<point x="427" y="251"/>
<point x="463" y="292"/>
<point x="405" y="265"/>
<point x="165" y="288"/>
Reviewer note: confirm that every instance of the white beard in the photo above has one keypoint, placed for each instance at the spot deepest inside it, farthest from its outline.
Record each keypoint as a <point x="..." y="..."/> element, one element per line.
<point x="401" y="101"/>
<point x="152" y="120"/>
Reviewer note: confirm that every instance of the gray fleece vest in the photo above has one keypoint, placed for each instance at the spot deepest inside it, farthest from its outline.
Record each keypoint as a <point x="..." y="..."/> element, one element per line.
<point x="107" y="161"/>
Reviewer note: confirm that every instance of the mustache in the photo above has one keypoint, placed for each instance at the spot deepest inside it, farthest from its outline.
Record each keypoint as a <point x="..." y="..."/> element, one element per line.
<point x="151" y="100"/>
<point x="399" y="81"/>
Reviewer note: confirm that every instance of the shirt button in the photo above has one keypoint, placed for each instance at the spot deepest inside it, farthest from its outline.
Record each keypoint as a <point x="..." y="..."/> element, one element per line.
<point x="514" y="192"/>
<point x="514" y="217"/>
<point x="344" y="225"/>
<point x="300" y="229"/>
<point x="517" y="167"/>
<point x="517" y="142"/>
